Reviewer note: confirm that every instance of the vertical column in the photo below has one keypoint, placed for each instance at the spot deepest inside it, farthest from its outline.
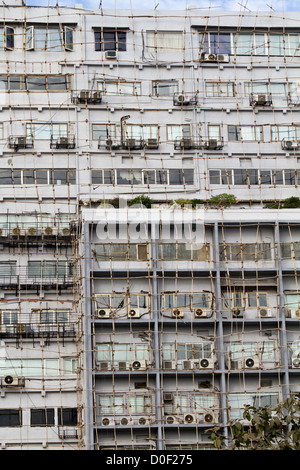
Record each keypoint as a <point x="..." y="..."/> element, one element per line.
<point x="87" y="342"/>
<point x="156" y="339"/>
<point x="219" y="329"/>
<point x="284" y="361"/>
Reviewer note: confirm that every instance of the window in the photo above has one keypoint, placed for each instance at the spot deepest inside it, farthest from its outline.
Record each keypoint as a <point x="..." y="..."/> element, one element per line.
<point x="181" y="177"/>
<point x="49" y="269"/>
<point x="10" y="418"/>
<point x="246" y="252"/>
<point x="220" y="177"/>
<point x="233" y="300"/>
<point x="165" y="41"/>
<point x="257" y="299"/>
<point x="131" y="177"/>
<point x="35" y="82"/>
<point x="183" y="251"/>
<point x="54" y="317"/>
<point x="49" y="39"/>
<point x="7" y="38"/>
<point x="220" y="89"/>
<point x="111" y="404"/>
<point x="236" y="402"/>
<point x="112" y="88"/>
<point x="141" y="132"/>
<point x="103" y="131"/>
<point x="275" y="89"/>
<point x="10" y="177"/>
<point x="121" y="252"/>
<point x="245" y="133"/>
<point x="249" y="43"/>
<point x="42" y="417"/>
<point x="35" y="177"/>
<point x="178" y="132"/>
<point x="164" y="87"/>
<point x="215" y="43"/>
<point x="246" y="177"/>
<point x="110" y="40"/>
<point x="8" y="268"/>
<point x="67" y="417"/>
<point x="9" y="317"/>
<point x="186" y="351"/>
<point x="290" y="250"/>
<point x="46" y="131"/>
<point x="29" y="367"/>
<point x="123" y="352"/>
<point x="278" y="133"/>
<point x="214" y="132"/>
<point x="63" y="177"/>
<point x="264" y="350"/>
<point x="103" y="177"/>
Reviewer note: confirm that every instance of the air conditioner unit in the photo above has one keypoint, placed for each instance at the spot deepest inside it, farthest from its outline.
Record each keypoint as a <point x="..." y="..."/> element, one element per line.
<point x="66" y="231"/>
<point x="206" y="57"/>
<point x="208" y="417"/>
<point x="133" y="313"/>
<point x="290" y="144"/>
<point x="111" y="55"/>
<point x="251" y="363"/>
<point x="296" y="363"/>
<point x="260" y="99"/>
<point x="112" y="143"/>
<point x="151" y="143"/>
<point x="143" y="420"/>
<point x="177" y="313"/>
<point x="211" y="144"/>
<point x="139" y="365"/>
<point x="201" y="313"/>
<point x="124" y="421"/>
<point x="62" y="142"/>
<point x="104" y="365"/>
<point x="168" y="397"/>
<point x="222" y="57"/>
<point x="130" y="143"/>
<point x="84" y="95"/>
<point x="265" y="312"/>
<point x="12" y="381"/>
<point x="236" y="312"/>
<point x="292" y="312"/>
<point x="20" y="142"/>
<point x="189" y="419"/>
<point x="104" y="312"/>
<point x="187" y="365"/>
<point x="123" y="365"/>
<point x="107" y="421"/>
<point x="169" y="365"/>
<point x="96" y="96"/>
<point x="186" y="143"/>
<point x="205" y="363"/>
<point x="32" y="231"/>
<point x="182" y="99"/>
<point x="18" y="232"/>
<point x="171" y="419"/>
<point x="50" y="231"/>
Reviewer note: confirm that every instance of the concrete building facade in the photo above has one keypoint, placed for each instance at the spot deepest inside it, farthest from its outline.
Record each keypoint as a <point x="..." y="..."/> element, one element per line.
<point x="130" y="327"/>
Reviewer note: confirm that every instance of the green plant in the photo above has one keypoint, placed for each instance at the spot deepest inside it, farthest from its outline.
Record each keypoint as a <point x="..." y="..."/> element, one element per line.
<point x="273" y="205"/>
<point x="144" y="200"/>
<point x="222" y="200"/>
<point x="291" y="203"/>
<point x="192" y="202"/>
<point x="266" y="428"/>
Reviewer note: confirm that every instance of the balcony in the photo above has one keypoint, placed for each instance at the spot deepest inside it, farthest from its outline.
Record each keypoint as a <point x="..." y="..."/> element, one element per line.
<point x="34" y="330"/>
<point x="20" y="142"/>
<point x="62" y="142"/>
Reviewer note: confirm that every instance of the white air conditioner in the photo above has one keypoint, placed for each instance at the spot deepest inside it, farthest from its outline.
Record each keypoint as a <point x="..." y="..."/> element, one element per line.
<point x="125" y="421"/>
<point x="84" y="95"/>
<point x="290" y="144"/>
<point x="205" y="363"/>
<point x="296" y="363"/>
<point x="133" y="313"/>
<point x="265" y="312"/>
<point x="31" y="231"/>
<point x="104" y="312"/>
<point x="236" y="312"/>
<point x="123" y="365"/>
<point x="189" y="419"/>
<point x="151" y="143"/>
<point x="222" y="57"/>
<point x="11" y="381"/>
<point x="190" y="364"/>
<point x="49" y="231"/>
<point x="260" y="99"/>
<point x="143" y="420"/>
<point x="177" y="313"/>
<point x="104" y="365"/>
<point x="251" y="363"/>
<point x="111" y="55"/>
<point x="182" y="99"/>
<point x="108" y="421"/>
<point x="168" y="397"/>
<point x="207" y="57"/>
<point x="201" y="312"/>
<point x="171" y="420"/>
<point x="209" y="417"/>
<point x="169" y="365"/>
<point x="139" y="365"/>
<point x="18" y="232"/>
<point x="295" y="313"/>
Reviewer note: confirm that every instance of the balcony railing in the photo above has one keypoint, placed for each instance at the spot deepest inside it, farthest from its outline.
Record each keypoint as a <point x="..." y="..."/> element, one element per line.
<point x="20" y="142"/>
<point x="193" y="143"/>
<point x="87" y="97"/>
<point x="128" y="144"/>
<point x="66" y="142"/>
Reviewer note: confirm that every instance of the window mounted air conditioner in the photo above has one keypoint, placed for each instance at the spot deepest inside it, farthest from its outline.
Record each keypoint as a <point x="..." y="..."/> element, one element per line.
<point x="143" y="420"/>
<point x="104" y="313"/>
<point x="134" y="313"/>
<point x="201" y="313"/>
<point x="151" y="143"/>
<point x="265" y="312"/>
<point x="177" y="313"/>
<point x="111" y="55"/>
<point x="104" y="365"/>
<point x="169" y="365"/>
<point x="168" y="397"/>
<point x="189" y="419"/>
<point x="206" y="363"/>
<point x="251" y="363"/>
<point x="139" y="365"/>
<point x="123" y="365"/>
<point x="107" y="421"/>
